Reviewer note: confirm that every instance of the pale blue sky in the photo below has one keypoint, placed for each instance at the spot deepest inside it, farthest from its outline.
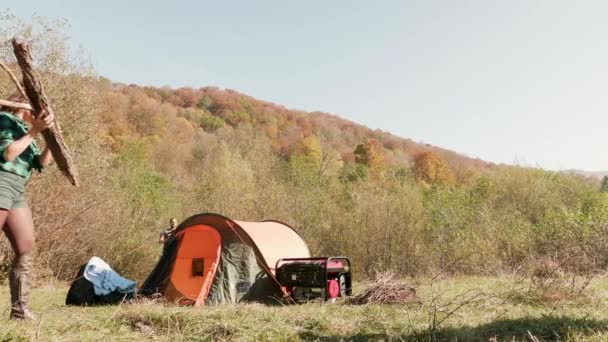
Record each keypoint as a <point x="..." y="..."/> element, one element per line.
<point x="506" y="81"/>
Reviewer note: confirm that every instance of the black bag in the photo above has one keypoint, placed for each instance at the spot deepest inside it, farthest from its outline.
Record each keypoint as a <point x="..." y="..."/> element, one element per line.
<point x="82" y="293"/>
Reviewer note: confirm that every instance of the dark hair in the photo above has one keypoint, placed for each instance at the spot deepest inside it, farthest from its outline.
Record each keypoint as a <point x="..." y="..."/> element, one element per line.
<point x="14" y="97"/>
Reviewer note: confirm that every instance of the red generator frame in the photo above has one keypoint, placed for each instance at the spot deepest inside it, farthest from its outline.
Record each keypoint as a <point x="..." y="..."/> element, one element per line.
<point x="306" y="279"/>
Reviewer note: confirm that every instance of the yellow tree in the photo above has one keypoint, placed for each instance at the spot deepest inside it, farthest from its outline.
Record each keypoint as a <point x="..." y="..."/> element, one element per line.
<point x="308" y="150"/>
<point x="370" y="154"/>
<point x="306" y="158"/>
<point x="430" y="168"/>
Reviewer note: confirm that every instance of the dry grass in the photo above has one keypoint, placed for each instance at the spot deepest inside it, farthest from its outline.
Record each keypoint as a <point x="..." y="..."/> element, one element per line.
<point x="489" y="318"/>
<point x="548" y="281"/>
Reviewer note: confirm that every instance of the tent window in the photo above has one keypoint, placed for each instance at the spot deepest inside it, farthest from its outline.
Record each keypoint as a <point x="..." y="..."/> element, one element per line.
<point x="198" y="267"/>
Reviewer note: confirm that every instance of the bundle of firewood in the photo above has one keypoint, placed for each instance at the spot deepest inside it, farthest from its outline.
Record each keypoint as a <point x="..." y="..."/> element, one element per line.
<point x="32" y="89"/>
<point x="386" y="290"/>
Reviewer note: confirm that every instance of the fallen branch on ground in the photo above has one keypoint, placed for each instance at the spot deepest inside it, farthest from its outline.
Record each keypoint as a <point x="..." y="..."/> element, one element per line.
<point x="386" y="291"/>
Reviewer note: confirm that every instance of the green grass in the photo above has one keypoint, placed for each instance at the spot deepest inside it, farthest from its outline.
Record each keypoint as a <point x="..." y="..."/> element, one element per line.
<point x="496" y="313"/>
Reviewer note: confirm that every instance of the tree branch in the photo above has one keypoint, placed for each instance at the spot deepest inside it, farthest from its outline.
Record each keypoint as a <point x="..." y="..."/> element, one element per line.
<point x="14" y="78"/>
<point x="39" y="101"/>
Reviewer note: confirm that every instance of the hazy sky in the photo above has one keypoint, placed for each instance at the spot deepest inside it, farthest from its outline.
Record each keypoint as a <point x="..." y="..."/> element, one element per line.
<point x="506" y="81"/>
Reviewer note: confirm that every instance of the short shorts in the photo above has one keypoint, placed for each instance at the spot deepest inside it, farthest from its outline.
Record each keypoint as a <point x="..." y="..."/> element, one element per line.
<point x="12" y="191"/>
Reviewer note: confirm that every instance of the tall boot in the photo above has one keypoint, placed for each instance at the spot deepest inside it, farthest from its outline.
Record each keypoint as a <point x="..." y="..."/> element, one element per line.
<point x="19" y="280"/>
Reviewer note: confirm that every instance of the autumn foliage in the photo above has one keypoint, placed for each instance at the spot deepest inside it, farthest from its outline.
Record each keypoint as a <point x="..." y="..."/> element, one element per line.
<point x="430" y="169"/>
<point x="370" y="153"/>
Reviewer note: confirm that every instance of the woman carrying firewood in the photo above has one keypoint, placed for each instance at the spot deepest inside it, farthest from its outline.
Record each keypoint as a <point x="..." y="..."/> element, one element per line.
<point x="19" y="154"/>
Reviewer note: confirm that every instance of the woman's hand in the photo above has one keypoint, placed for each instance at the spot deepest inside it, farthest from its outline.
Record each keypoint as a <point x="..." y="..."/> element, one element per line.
<point x="43" y="121"/>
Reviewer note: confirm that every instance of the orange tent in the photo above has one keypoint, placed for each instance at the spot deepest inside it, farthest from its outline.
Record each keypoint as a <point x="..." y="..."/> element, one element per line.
<point x="213" y="259"/>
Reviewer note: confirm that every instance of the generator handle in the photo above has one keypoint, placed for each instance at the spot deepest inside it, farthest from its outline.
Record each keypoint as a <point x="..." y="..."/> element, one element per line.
<point x="326" y="259"/>
<point x="340" y="257"/>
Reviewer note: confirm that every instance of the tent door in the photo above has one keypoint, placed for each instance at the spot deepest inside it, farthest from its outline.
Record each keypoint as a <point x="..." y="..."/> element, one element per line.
<point x="197" y="259"/>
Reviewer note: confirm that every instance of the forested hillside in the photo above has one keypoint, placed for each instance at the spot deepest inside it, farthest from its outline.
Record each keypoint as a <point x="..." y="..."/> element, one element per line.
<point x="210" y="109"/>
<point x="147" y="154"/>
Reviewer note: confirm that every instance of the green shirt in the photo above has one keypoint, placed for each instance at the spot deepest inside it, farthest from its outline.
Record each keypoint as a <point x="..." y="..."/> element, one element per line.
<point x="12" y="128"/>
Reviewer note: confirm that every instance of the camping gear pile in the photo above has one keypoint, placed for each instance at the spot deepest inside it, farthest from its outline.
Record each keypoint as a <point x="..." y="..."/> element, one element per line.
<point x="306" y="279"/>
<point x="97" y="283"/>
<point x="211" y="259"/>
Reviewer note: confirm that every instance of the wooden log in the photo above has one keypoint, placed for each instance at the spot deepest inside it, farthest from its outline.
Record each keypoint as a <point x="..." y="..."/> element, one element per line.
<point x="15" y="105"/>
<point x="39" y="101"/>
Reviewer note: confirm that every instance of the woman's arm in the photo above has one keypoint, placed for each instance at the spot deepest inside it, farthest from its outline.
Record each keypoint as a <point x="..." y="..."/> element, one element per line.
<point x="46" y="157"/>
<point x="18" y="146"/>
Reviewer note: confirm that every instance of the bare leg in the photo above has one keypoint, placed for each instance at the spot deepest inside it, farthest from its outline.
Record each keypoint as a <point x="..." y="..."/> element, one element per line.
<point x="3" y="216"/>
<point x="19" y="228"/>
<point x="9" y="236"/>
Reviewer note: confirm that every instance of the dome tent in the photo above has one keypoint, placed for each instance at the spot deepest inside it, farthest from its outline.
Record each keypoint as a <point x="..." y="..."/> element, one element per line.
<point x="213" y="259"/>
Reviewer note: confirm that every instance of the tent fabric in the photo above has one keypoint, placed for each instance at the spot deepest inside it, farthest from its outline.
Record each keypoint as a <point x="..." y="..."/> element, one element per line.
<point x="274" y="241"/>
<point x="234" y="277"/>
<point x="214" y="260"/>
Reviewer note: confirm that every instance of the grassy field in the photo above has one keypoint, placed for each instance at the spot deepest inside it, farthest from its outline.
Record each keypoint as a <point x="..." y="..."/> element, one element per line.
<point x="493" y="309"/>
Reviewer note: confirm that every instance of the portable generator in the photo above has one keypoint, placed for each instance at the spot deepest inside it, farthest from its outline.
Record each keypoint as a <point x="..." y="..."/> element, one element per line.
<point x="305" y="279"/>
